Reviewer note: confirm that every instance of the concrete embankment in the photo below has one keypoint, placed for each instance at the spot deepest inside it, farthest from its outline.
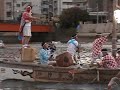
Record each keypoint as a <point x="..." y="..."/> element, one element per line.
<point x="86" y="33"/>
<point x="83" y="37"/>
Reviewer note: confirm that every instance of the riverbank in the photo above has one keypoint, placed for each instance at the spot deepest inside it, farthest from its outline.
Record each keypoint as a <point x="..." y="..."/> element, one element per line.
<point x="11" y="37"/>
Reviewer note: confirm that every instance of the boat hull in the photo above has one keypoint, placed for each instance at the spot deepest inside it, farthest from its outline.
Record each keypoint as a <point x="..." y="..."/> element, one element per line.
<point x="36" y="72"/>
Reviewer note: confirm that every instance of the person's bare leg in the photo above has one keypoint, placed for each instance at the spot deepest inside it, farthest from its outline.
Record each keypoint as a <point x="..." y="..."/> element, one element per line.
<point x="26" y="40"/>
<point x="23" y="40"/>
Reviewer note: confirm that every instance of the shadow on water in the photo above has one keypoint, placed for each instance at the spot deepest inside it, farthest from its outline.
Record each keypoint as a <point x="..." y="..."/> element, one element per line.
<point x="23" y="85"/>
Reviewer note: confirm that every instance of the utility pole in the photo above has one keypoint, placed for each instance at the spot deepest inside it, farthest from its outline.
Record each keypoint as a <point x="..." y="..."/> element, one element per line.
<point x="97" y="13"/>
<point x="114" y="33"/>
<point x="13" y="10"/>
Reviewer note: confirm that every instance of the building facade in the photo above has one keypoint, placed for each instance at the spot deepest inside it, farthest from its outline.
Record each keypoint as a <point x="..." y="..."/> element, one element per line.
<point x="1" y="10"/>
<point x="108" y="7"/>
<point x="49" y="8"/>
<point x="12" y="9"/>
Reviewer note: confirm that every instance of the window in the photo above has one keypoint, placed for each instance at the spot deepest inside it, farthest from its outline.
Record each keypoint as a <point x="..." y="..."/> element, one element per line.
<point x="45" y="10"/>
<point x="9" y="14"/>
<point x="26" y="3"/>
<point x="45" y="2"/>
<point x="17" y="5"/>
<point x="9" y="4"/>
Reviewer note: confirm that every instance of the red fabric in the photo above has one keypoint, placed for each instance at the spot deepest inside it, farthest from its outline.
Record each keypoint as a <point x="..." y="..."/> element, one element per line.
<point x="97" y="45"/>
<point x="109" y="62"/>
<point x="26" y="16"/>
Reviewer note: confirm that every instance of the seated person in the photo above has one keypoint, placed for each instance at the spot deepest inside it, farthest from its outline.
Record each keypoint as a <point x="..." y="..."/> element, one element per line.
<point x="108" y="60"/>
<point x="45" y="56"/>
<point x="118" y="57"/>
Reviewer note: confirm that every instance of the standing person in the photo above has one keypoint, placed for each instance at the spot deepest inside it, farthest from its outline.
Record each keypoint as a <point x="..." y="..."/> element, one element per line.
<point x="45" y="55"/>
<point x="97" y="46"/>
<point x="108" y="60"/>
<point x="73" y="47"/>
<point x="25" y="26"/>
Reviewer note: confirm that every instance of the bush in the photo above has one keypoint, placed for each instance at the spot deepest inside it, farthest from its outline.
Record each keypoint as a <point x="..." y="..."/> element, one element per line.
<point x="69" y="31"/>
<point x="72" y="16"/>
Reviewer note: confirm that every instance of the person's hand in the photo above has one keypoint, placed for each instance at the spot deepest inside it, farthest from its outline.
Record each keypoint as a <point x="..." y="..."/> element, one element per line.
<point x="99" y="64"/>
<point x="51" y="58"/>
<point x="36" y="18"/>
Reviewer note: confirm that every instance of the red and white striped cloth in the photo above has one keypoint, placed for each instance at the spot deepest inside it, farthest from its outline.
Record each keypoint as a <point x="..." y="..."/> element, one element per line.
<point x="97" y="46"/>
<point x="108" y="61"/>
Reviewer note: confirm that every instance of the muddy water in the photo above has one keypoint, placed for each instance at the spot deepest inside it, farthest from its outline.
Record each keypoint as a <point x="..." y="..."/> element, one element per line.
<point x="22" y="85"/>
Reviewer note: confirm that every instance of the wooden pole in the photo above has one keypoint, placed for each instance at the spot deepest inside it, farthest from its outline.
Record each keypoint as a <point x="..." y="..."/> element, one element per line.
<point x="13" y="10"/>
<point x="114" y="35"/>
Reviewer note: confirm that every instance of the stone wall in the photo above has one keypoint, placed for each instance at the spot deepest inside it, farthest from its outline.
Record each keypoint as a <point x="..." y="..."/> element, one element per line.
<point x="96" y="28"/>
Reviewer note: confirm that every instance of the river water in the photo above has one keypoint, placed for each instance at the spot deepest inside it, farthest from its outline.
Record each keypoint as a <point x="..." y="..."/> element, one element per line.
<point x="23" y="85"/>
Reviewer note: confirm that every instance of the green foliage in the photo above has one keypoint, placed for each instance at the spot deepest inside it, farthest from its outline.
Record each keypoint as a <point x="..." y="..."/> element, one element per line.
<point x="69" y="31"/>
<point x="70" y="17"/>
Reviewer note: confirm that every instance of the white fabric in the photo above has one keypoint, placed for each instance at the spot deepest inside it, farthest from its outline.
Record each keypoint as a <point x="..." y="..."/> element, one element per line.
<point x="49" y="63"/>
<point x="27" y="31"/>
<point x="28" y="24"/>
<point x="93" y="59"/>
<point x="72" y="47"/>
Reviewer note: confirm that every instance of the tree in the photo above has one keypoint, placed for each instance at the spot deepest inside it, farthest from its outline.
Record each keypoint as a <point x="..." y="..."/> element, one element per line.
<point x="70" y="17"/>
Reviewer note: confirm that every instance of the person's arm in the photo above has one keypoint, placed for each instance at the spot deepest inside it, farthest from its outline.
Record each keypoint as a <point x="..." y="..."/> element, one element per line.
<point x="102" y="39"/>
<point x="44" y="55"/>
<point x="33" y="18"/>
<point x="28" y="17"/>
<point x="78" y="49"/>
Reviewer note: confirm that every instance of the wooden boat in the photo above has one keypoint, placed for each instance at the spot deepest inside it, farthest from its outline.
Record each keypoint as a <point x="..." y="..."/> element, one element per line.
<point x="37" y="72"/>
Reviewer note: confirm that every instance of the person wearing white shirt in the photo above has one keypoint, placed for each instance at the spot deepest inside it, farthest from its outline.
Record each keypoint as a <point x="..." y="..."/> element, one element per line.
<point x="73" y="47"/>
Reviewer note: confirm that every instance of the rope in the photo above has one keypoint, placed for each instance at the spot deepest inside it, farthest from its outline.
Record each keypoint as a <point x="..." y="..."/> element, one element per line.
<point x="98" y="76"/>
